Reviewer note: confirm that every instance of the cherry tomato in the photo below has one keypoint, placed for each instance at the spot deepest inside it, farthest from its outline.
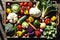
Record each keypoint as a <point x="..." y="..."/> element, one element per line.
<point x="28" y="7"/>
<point x="47" y="20"/>
<point x="30" y="4"/>
<point x="22" y="11"/>
<point x="25" y="3"/>
<point x="21" y="4"/>
<point x="23" y="7"/>
<point x="37" y="33"/>
<point x="19" y="27"/>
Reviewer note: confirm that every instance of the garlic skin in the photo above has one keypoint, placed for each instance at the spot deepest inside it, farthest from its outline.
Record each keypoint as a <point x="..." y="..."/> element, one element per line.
<point x="12" y="17"/>
<point x="35" y="12"/>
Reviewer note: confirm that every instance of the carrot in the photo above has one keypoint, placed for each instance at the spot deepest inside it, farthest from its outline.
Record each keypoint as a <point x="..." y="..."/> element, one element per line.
<point x="31" y="25"/>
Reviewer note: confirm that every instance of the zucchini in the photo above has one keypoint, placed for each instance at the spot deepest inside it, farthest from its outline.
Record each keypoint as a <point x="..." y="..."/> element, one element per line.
<point x="22" y="19"/>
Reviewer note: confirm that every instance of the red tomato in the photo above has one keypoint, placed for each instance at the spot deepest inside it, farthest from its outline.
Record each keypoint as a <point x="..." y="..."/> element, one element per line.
<point x="37" y="33"/>
<point x="28" y="7"/>
<point x="19" y="27"/>
<point x="25" y="3"/>
<point x="21" y="4"/>
<point x="23" y="7"/>
<point x="30" y="4"/>
<point x="22" y="11"/>
<point x="47" y="20"/>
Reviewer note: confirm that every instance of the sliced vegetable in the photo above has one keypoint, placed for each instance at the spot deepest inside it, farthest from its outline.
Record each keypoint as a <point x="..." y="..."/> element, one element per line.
<point x="22" y="19"/>
<point x="25" y="25"/>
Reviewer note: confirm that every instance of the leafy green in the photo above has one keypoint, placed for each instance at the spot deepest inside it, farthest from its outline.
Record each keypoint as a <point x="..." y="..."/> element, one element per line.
<point x="46" y="6"/>
<point x="15" y="8"/>
<point x="50" y="32"/>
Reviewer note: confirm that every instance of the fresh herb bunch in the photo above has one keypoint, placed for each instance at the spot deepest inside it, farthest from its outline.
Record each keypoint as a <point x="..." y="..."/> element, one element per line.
<point x="46" y="6"/>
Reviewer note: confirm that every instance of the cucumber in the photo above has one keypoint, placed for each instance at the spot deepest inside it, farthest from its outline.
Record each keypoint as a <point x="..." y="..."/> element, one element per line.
<point x="22" y="19"/>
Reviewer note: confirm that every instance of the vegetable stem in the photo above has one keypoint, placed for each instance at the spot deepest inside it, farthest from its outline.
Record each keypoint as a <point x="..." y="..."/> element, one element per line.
<point x="37" y="4"/>
<point x="15" y="28"/>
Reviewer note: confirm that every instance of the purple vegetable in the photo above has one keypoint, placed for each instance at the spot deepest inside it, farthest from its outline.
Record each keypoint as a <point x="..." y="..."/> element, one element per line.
<point x="41" y="30"/>
<point x="30" y="33"/>
<point x="30" y="29"/>
<point x="8" y="4"/>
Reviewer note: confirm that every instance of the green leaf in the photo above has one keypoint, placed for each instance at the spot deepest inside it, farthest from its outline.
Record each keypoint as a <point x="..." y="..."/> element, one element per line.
<point x="46" y="6"/>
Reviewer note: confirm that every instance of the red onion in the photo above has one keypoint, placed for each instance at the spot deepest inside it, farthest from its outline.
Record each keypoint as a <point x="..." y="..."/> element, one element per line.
<point x="41" y="30"/>
<point x="8" y="4"/>
<point x="30" y="33"/>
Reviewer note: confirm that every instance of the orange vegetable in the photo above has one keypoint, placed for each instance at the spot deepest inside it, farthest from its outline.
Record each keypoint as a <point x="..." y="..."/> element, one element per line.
<point x="31" y="25"/>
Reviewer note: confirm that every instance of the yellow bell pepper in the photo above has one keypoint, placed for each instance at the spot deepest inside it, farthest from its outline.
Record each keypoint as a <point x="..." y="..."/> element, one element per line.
<point x="8" y="10"/>
<point x="19" y="33"/>
<point x="30" y="19"/>
<point x="53" y="18"/>
<point x="26" y="12"/>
